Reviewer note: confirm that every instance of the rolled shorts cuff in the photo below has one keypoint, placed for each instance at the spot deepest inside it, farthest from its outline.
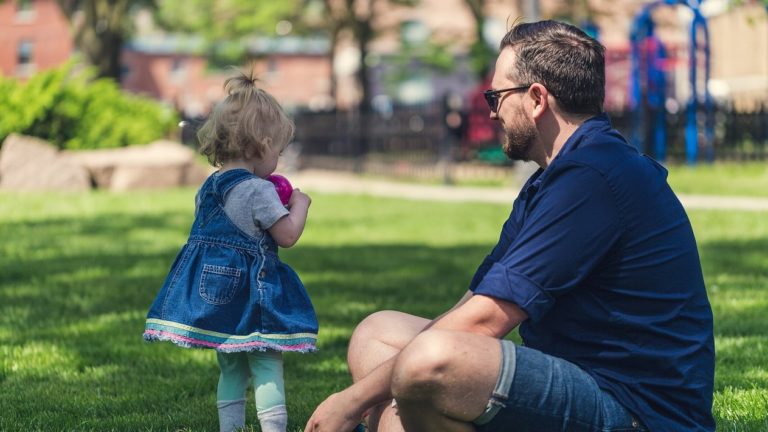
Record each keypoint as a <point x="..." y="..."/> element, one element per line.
<point x="503" y="383"/>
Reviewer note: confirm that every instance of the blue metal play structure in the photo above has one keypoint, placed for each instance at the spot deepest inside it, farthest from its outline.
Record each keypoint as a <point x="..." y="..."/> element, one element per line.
<point x="648" y="85"/>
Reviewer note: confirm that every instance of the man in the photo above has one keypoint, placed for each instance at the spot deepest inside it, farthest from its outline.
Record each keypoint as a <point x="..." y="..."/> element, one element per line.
<point x="597" y="263"/>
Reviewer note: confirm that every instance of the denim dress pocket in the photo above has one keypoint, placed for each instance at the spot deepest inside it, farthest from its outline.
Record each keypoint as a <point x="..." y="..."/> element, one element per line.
<point x="219" y="284"/>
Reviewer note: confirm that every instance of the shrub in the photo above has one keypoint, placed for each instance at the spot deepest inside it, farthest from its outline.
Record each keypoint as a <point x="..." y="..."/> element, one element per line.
<point x="73" y="111"/>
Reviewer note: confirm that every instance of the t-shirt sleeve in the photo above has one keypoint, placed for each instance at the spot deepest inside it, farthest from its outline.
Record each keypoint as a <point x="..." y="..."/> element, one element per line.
<point x="266" y="206"/>
<point x="570" y="225"/>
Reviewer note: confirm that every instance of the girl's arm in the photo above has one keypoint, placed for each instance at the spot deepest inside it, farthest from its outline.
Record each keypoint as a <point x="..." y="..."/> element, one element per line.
<point x="287" y="230"/>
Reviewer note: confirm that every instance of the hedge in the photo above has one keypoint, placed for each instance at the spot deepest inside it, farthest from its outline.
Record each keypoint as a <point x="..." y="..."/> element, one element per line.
<point x="71" y="110"/>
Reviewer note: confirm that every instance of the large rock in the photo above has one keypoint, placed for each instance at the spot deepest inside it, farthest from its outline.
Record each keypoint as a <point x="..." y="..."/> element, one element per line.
<point x="161" y="164"/>
<point x="32" y="164"/>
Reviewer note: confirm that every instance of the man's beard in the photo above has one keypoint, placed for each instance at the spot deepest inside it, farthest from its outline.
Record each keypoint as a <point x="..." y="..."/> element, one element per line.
<point x="519" y="138"/>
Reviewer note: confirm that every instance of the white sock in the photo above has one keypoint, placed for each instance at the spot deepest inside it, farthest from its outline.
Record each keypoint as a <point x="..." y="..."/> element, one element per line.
<point x="231" y="415"/>
<point x="273" y="419"/>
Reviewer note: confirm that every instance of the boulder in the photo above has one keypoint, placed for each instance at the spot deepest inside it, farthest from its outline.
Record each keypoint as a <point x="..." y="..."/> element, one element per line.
<point x="32" y="164"/>
<point x="129" y="177"/>
<point x="160" y="164"/>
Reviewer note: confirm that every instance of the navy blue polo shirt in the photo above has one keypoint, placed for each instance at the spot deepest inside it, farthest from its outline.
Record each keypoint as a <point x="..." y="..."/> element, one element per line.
<point x="600" y="254"/>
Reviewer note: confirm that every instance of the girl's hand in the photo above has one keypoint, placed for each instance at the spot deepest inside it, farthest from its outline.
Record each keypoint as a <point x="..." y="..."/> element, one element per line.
<point x="287" y="230"/>
<point x="299" y="198"/>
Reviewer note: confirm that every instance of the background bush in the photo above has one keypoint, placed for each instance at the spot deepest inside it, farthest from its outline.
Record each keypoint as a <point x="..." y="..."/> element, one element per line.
<point x="71" y="110"/>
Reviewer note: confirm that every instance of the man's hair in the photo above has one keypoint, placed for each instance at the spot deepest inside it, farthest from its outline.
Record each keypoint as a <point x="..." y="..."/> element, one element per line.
<point x="569" y="63"/>
<point x="245" y="124"/>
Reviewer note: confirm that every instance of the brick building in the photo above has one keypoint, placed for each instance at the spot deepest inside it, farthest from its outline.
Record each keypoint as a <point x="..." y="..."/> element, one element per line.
<point x="172" y="69"/>
<point x="34" y="36"/>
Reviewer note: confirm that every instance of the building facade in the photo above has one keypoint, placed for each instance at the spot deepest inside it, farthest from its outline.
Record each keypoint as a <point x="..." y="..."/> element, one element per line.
<point x="34" y="36"/>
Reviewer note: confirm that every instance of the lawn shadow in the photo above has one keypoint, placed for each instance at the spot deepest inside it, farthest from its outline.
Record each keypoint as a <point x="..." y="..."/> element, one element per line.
<point x="73" y="288"/>
<point x="72" y="284"/>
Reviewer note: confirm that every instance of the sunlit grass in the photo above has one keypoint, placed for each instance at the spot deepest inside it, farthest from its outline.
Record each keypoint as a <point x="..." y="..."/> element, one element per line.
<point x="78" y="272"/>
<point x="722" y="178"/>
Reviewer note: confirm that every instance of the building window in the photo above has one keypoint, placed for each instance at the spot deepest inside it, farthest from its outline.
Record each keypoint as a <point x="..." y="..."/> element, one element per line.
<point x="25" y="65"/>
<point x="24" y="53"/>
<point x="25" y="10"/>
<point x="125" y="72"/>
<point x="178" y="70"/>
<point x="24" y="59"/>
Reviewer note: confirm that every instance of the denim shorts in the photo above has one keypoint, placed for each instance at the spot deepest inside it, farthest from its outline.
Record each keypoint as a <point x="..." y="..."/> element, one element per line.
<point x="539" y="392"/>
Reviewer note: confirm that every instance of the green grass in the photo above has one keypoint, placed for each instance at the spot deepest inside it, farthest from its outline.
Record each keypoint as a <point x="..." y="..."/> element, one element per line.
<point x="78" y="272"/>
<point x="722" y="178"/>
<point x="742" y="179"/>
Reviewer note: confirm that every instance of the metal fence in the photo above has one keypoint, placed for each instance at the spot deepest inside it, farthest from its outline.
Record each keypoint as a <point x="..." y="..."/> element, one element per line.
<point x="407" y="140"/>
<point x="410" y="141"/>
<point x="737" y="135"/>
<point x="431" y="141"/>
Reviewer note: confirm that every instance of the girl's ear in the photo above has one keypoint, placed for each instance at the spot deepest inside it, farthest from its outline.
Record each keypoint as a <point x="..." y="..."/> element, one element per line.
<point x="252" y="152"/>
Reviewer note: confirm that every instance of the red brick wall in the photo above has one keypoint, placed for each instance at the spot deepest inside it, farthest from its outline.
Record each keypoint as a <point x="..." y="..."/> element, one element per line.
<point x="296" y="80"/>
<point x="177" y="79"/>
<point x="184" y="82"/>
<point x="44" y="26"/>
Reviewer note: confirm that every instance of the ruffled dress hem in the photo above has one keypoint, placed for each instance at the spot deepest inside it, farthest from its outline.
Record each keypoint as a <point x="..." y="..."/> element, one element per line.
<point x="190" y="337"/>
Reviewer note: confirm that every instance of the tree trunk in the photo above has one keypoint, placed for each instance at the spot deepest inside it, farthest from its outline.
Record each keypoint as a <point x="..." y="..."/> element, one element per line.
<point x="101" y="35"/>
<point x="364" y="34"/>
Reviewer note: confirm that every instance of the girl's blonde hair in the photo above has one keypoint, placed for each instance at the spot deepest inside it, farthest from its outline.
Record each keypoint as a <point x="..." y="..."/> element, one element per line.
<point x="245" y="124"/>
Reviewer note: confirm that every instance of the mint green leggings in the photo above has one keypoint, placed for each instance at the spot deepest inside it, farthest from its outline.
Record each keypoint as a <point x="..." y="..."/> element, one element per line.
<point x="266" y="370"/>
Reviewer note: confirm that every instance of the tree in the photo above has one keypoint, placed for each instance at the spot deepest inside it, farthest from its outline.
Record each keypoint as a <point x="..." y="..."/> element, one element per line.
<point x="101" y="28"/>
<point x="224" y="24"/>
<point x="480" y="53"/>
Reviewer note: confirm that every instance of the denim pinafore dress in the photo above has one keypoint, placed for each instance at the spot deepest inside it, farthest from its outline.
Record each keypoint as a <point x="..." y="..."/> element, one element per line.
<point x="228" y="290"/>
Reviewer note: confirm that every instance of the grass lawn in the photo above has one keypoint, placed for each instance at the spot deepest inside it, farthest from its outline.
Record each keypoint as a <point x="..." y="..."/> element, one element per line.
<point x="78" y="272"/>
<point x="749" y="179"/>
<point x="734" y="179"/>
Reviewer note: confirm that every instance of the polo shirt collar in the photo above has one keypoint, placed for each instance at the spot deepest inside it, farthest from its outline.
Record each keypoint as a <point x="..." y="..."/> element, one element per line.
<point x="598" y="123"/>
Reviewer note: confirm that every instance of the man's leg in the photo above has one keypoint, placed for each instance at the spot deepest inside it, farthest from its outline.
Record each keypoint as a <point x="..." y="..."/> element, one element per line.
<point x="379" y="337"/>
<point x="443" y="380"/>
<point x="376" y="339"/>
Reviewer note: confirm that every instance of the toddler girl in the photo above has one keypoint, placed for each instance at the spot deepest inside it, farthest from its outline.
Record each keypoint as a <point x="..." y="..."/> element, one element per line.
<point x="228" y="289"/>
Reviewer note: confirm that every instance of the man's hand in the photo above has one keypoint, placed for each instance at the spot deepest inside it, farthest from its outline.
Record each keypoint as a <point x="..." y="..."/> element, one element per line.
<point x="335" y="414"/>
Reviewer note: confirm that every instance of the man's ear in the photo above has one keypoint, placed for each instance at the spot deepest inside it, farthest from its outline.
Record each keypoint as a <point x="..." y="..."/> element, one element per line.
<point x="540" y="97"/>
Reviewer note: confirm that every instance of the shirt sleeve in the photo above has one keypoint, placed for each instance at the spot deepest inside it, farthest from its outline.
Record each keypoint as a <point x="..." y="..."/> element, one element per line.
<point x="267" y="208"/>
<point x="508" y="233"/>
<point x="567" y="229"/>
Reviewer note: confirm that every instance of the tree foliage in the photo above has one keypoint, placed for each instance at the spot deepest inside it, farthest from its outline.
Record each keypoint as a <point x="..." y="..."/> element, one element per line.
<point x="225" y="25"/>
<point x="225" y="19"/>
<point x="102" y="27"/>
<point x="480" y="54"/>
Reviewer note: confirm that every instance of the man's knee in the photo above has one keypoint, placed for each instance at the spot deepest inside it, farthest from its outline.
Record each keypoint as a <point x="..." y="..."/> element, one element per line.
<point x="364" y="337"/>
<point x="370" y="327"/>
<point x="423" y="367"/>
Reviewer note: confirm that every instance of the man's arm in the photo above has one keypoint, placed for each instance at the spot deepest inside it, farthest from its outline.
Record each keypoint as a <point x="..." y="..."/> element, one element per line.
<point x="483" y="315"/>
<point x="473" y="313"/>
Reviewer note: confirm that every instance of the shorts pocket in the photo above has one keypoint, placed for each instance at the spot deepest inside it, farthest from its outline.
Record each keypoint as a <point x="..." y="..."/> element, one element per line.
<point x="218" y="284"/>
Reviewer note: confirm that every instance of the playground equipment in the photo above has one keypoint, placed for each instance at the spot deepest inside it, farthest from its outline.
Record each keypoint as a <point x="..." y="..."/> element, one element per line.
<point x="651" y="62"/>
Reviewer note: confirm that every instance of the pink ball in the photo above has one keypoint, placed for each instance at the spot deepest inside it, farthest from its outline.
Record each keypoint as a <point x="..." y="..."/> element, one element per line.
<point x="282" y="186"/>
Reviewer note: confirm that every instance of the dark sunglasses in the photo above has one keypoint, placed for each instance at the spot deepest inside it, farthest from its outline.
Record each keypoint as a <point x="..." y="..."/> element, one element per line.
<point x="492" y="96"/>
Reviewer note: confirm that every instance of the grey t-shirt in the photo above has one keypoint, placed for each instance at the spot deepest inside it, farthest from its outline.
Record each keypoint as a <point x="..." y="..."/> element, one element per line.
<point x="253" y="205"/>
